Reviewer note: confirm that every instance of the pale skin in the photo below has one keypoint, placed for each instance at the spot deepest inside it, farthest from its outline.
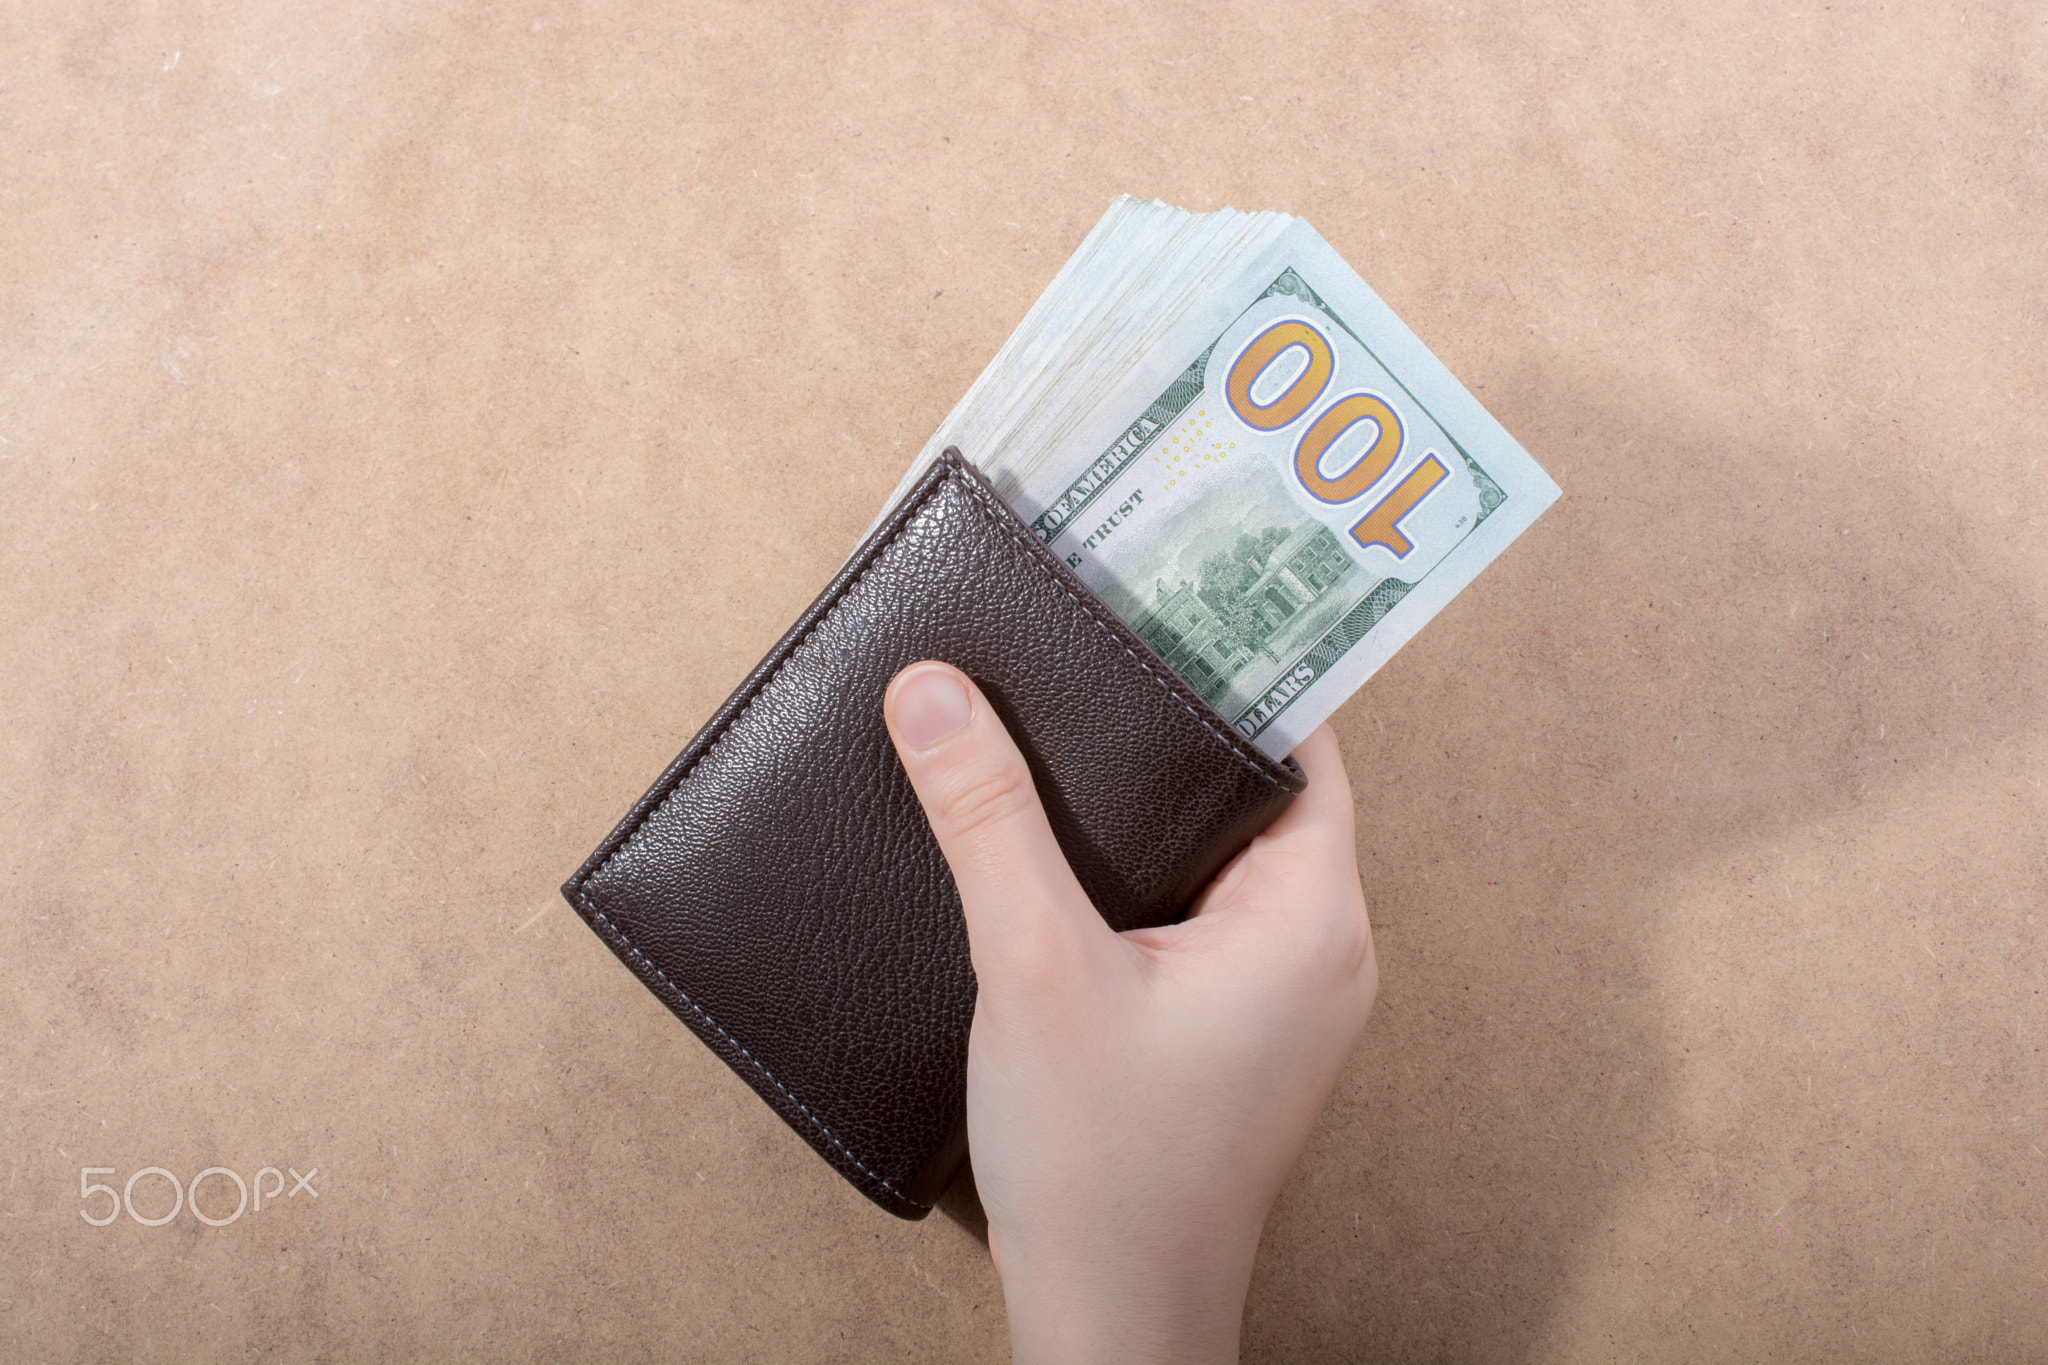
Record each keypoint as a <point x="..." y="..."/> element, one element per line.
<point x="1136" y="1100"/>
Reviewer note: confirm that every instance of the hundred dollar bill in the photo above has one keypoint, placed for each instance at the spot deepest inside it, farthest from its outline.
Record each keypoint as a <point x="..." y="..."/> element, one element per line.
<point x="1275" y="485"/>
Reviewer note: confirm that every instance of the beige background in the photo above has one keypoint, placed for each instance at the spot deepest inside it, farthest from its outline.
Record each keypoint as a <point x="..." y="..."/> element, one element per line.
<point x="416" y="422"/>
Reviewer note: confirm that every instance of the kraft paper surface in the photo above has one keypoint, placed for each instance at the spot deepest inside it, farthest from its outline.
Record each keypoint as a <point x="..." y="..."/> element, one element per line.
<point x="415" y="420"/>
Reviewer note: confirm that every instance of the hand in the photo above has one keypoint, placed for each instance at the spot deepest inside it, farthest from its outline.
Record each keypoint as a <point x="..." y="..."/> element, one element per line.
<point x="1134" y="1101"/>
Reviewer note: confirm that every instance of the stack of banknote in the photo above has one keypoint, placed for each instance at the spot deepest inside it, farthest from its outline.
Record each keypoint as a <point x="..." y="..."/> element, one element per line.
<point x="1241" y="449"/>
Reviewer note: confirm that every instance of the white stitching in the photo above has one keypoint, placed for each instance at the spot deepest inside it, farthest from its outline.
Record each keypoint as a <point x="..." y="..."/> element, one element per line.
<point x="625" y="844"/>
<point x="700" y="1012"/>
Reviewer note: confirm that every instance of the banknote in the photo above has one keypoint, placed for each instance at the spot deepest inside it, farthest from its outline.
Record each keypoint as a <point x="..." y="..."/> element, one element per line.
<point x="1275" y="483"/>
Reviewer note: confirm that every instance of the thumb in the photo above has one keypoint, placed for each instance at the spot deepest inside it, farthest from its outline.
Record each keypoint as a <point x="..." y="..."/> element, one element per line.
<point x="1020" y="896"/>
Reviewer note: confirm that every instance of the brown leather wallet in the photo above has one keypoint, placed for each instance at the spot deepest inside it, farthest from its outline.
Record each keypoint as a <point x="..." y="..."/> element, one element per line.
<point x="780" y="890"/>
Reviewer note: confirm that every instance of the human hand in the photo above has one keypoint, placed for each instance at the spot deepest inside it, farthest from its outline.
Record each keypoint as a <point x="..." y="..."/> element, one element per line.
<point x="1135" y="1101"/>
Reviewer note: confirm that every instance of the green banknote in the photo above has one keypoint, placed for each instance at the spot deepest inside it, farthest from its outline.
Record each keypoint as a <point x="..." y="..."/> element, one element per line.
<point x="1275" y="483"/>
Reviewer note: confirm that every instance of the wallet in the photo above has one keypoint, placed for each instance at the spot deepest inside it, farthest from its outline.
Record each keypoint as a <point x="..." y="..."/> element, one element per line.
<point x="779" y="888"/>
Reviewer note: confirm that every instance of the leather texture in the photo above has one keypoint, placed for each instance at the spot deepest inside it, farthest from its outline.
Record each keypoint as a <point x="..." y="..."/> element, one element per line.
<point x="780" y="890"/>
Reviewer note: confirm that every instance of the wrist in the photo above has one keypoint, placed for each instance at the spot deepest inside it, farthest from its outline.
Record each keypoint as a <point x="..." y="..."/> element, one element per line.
<point x="1169" y="1294"/>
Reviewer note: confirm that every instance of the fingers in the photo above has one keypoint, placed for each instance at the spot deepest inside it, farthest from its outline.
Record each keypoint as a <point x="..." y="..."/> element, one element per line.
<point x="1019" y="894"/>
<point x="1324" y="811"/>
<point x="1322" y="826"/>
<point x="1299" y="879"/>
